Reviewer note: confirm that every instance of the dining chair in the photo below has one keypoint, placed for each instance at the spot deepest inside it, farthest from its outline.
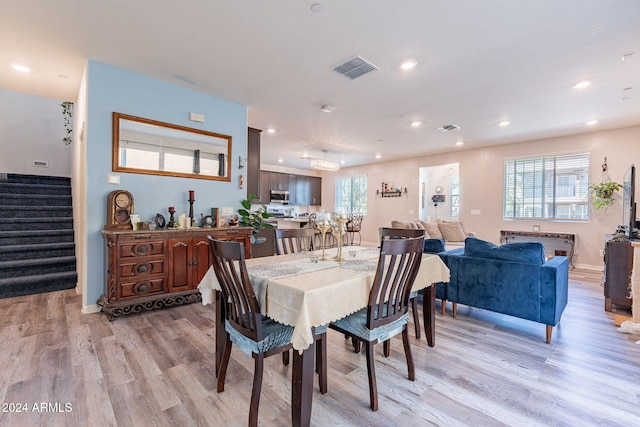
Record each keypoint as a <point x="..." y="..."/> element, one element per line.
<point x="387" y="312"/>
<point x="354" y="225"/>
<point x="294" y="240"/>
<point x="255" y="334"/>
<point x="402" y="233"/>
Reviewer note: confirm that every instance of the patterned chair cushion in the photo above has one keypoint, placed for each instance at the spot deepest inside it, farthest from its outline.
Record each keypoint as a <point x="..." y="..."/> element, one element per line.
<point x="356" y="324"/>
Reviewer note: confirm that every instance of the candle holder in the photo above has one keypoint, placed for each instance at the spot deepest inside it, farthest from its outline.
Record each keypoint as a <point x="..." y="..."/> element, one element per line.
<point x="340" y="221"/>
<point x="323" y="227"/>
<point x="172" y="221"/>
<point x="191" y="211"/>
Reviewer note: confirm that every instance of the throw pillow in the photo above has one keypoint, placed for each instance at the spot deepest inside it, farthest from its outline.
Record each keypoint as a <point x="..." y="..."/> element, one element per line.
<point x="527" y="252"/>
<point x="432" y="230"/>
<point x="452" y="231"/>
<point x="401" y="224"/>
<point x="464" y="230"/>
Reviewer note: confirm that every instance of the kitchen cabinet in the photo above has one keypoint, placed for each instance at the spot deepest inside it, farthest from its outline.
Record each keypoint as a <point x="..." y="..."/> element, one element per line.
<point x="303" y="190"/>
<point x="253" y="162"/>
<point x="315" y="190"/>
<point x="265" y="187"/>
<point x="145" y="270"/>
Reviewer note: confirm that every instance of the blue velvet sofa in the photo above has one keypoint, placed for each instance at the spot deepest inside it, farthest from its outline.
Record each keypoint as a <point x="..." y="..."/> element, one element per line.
<point x="513" y="279"/>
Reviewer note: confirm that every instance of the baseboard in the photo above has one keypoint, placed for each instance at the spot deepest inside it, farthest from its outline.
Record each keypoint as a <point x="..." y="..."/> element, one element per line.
<point x="90" y="309"/>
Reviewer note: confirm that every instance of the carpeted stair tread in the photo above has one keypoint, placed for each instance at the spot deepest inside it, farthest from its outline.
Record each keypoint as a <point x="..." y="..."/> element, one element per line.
<point x="36" y="247"/>
<point x="38" y="179"/>
<point x="41" y="223"/>
<point x="17" y="188"/>
<point x="35" y="262"/>
<point x="37" y="283"/>
<point x="9" y="199"/>
<point x="19" y="268"/>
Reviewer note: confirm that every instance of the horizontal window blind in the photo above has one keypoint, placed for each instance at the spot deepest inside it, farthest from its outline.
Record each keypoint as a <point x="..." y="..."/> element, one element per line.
<point x="549" y="187"/>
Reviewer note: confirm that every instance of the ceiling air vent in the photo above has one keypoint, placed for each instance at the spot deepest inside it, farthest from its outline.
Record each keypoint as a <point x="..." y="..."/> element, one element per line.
<point x="448" y="128"/>
<point x="355" y="67"/>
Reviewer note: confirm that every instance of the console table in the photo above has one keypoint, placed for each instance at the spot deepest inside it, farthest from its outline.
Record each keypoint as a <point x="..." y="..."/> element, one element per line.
<point x="553" y="241"/>
<point x="145" y="270"/>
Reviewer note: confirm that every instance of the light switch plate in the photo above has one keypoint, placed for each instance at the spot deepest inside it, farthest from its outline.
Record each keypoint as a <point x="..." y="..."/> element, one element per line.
<point x="475" y="212"/>
<point x="113" y="179"/>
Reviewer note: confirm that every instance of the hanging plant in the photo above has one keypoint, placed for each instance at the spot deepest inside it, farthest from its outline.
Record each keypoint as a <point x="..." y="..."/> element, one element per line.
<point x="67" y="113"/>
<point x="603" y="193"/>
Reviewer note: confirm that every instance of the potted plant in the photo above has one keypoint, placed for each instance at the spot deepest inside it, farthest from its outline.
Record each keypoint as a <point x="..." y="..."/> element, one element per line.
<point x="254" y="219"/>
<point x="603" y="193"/>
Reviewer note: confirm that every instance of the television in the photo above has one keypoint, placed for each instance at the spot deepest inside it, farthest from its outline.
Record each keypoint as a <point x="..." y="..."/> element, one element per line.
<point x="629" y="204"/>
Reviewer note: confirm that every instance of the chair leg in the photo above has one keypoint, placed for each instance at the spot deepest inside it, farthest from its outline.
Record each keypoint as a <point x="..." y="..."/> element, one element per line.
<point x="416" y="317"/>
<point x="285" y="358"/>
<point x="222" y="373"/>
<point x="407" y="352"/>
<point x="321" y="362"/>
<point x="356" y="345"/>
<point x="386" y="348"/>
<point x="255" y="392"/>
<point x="371" y="370"/>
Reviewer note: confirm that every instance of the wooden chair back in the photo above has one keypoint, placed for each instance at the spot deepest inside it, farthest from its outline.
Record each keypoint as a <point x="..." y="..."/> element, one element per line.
<point x="294" y="240"/>
<point x="399" y="233"/>
<point x="355" y="222"/>
<point x="396" y="271"/>
<point x="242" y="307"/>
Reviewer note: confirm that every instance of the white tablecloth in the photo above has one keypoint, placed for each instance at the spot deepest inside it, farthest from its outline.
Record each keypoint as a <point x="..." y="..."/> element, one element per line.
<point x="314" y="294"/>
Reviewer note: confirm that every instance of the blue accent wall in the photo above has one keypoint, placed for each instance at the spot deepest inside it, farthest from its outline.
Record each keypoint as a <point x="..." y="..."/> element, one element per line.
<point x="112" y="89"/>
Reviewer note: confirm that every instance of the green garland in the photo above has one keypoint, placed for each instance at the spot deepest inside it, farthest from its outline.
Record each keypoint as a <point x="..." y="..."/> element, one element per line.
<point x="67" y="113"/>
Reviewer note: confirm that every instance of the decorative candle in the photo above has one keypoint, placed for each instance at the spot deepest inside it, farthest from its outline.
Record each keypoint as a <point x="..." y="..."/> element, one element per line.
<point x="171" y="209"/>
<point x="191" y="196"/>
<point x="182" y="220"/>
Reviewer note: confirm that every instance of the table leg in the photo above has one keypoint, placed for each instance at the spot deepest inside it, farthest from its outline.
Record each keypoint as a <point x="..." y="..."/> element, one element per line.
<point x="221" y="334"/>
<point x="429" y="312"/>
<point x="302" y="386"/>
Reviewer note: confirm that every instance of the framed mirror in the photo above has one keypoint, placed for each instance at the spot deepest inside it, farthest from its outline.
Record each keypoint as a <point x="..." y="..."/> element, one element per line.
<point x="156" y="148"/>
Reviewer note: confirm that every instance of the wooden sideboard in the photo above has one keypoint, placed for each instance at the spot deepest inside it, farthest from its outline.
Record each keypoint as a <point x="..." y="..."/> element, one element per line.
<point x="161" y="268"/>
<point x="554" y="242"/>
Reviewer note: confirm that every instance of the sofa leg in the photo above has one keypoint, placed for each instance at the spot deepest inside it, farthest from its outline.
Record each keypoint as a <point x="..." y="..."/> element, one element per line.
<point x="444" y="306"/>
<point x="454" y="308"/>
<point x="549" y="331"/>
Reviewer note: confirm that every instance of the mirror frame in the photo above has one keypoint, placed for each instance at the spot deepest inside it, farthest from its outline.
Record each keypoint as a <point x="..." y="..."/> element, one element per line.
<point x="115" y="155"/>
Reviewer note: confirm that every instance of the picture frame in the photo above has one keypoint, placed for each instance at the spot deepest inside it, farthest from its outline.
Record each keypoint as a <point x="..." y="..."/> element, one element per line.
<point x="536" y="228"/>
<point x="135" y="219"/>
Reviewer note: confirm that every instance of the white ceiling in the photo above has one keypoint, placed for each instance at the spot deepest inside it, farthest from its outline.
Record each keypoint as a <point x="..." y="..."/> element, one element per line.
<point x="479" y="62"/>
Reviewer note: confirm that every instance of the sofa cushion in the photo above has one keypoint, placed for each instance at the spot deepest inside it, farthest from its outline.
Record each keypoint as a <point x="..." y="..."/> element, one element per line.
<point x="433" y="246"/>
<point x="527" y="252"/>
<point x="432" y="229"/>
<point x="411" y="225"/>
<point x="452" y="231"/>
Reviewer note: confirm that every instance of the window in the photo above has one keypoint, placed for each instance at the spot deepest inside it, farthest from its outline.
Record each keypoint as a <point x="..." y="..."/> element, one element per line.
<point x="551" y="187"/>
<point x="454" y="194"/>
<point x="351" y="195"/>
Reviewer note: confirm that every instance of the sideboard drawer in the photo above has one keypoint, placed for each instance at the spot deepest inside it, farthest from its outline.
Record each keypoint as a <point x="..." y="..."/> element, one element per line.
<point x="140" y="248"/>
<point x="140" y="288"/>
<point x="141" y="268"/>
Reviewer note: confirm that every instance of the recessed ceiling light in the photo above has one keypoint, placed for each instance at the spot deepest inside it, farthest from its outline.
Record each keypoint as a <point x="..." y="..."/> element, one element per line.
<point x="591" y="122"/>
<point x="459" y="143"/>
<point x="21" y="68"/>
<point x="626" y="56"/>
<point x="271" y="130"/>
<point x="416" y="123"/>
<point x="280" y="160"/>
<point x="328" y="108"/>
<point x="378" y="156"/>
<point x="582" y="84"/>
<point x="504" y="123"/>
<point x="408" y="64"/>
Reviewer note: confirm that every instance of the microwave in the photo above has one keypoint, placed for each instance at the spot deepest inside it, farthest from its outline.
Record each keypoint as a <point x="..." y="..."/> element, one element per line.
<point x="280" y="197"/>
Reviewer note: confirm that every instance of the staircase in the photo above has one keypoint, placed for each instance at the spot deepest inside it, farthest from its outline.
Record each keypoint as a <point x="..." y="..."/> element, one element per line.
<point x="37" y="252"/>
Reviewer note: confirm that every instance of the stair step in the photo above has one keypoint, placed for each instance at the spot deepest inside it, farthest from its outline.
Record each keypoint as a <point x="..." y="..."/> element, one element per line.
<point x="44" y="223"/>
<point x="37" y="283"/>
<point x="38" y="236"/>
<point x="36" y="211"/>
<point x="37" y="250"/>
<point x="17" y="188"/>
<point x="38" y="179"/>
<point x="18" y="268"/>
<point x="8" y="199"/>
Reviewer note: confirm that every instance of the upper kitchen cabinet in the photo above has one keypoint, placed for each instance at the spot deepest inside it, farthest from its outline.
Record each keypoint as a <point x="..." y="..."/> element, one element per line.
<point x="253" y="164"/>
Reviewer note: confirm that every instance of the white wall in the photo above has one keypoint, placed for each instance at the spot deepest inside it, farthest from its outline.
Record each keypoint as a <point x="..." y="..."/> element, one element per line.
<point x="481" y="183"/>
<point x="32" y="128"/>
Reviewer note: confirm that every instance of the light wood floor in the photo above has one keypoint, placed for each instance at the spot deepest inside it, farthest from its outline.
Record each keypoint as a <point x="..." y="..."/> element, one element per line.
<point x="157" y="369"/>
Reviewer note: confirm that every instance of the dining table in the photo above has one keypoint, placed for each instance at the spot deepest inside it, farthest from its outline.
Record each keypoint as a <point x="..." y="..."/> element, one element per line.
<point x="305" y="290"/>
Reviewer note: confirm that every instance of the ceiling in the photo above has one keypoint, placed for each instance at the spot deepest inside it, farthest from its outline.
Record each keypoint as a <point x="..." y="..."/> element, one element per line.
<point x="478" y="63"/>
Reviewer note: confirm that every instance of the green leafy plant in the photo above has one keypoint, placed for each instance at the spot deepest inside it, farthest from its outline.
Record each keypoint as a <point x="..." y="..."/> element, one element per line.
<point x="603" y="194"/>
<point x="254" y="219"/>
<point x="67" y="113"/>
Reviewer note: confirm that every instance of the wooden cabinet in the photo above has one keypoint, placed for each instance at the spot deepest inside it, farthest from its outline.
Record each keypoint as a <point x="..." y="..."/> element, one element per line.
<point x="153" y="269"/>
<point x="303" y="190"/>
<point x="253" y="163"/>
<point x="618" y="265"/>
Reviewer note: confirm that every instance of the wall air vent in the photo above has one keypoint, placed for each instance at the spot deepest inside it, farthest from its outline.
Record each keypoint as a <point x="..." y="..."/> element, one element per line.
<point x="40" y="163"/>
<point x="448" y="128"/>
<point x="355" y="67"/>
